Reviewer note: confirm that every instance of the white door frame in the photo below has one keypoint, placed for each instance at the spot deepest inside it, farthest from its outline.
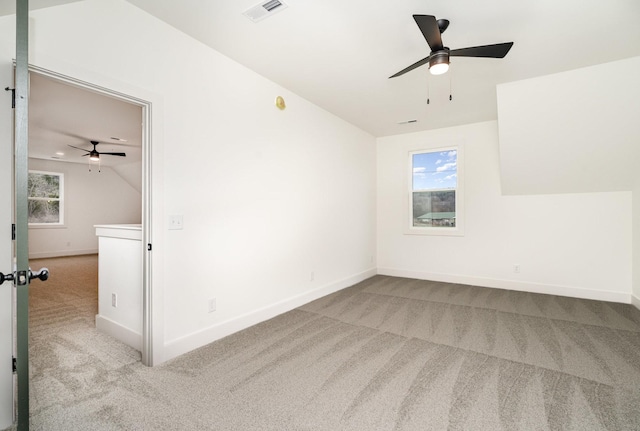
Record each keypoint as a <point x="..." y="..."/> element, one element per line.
<point x="147" y="289"/>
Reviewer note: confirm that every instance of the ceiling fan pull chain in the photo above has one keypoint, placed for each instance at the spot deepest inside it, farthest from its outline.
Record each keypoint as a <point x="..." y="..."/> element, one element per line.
<point x="450" y="92"/>
<point x="428" y="89"/>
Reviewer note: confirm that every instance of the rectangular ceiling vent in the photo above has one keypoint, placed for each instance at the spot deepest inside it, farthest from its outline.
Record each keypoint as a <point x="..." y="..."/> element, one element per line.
<point x="264" y="10"/>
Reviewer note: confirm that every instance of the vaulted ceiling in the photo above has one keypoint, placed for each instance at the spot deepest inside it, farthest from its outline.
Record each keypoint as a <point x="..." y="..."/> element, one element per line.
<point x="340" y="54"/>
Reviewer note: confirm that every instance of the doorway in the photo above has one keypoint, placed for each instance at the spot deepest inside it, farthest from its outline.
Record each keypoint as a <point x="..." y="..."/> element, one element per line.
<point x="120" y="125"/>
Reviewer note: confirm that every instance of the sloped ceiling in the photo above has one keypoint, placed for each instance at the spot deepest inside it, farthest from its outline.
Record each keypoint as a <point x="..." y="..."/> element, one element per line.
<point x="8" y="7"/>
<point x="339" y="54"/>
<point x="571" y="132"/>
<point x="61" y="116"/>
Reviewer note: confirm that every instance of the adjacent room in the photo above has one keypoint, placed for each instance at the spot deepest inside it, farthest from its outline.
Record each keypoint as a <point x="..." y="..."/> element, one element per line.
<point x="85" y="170"/>
<point x="359" y="215"/>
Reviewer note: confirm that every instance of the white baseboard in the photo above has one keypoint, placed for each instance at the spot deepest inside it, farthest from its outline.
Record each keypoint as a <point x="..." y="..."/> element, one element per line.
<point x="635" y="301"/>
<point x="523" y="286"/>
<point x="119" y="332"/>
<point x="208" y="335"/>
<point x="44" y="254"/>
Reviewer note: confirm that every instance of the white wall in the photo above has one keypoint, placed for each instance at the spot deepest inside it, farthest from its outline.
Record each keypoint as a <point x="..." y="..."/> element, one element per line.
<point x="131" y="173"/>
<point x="90" y="198"/>
<point x="576" y="131"/>
<point x="571" y="132"/>
<point x="268" y="196"/>
<point x="569" y="244"/>
<point x="636" y="240"/>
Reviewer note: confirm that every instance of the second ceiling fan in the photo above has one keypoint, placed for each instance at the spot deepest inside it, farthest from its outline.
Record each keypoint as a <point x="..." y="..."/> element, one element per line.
<point x="94" y="154"/>
<point x="438" y="59"/>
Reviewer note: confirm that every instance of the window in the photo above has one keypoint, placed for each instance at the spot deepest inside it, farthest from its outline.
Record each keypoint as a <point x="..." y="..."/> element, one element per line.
<point x="435" y="192"/>
<point x="46" y="205"/>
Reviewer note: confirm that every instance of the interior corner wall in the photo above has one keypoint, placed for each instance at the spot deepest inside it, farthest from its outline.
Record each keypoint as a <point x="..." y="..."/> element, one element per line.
<point x="567" y="244"/>
<point x="278" y="206"/>
<point x="90" y="198"/>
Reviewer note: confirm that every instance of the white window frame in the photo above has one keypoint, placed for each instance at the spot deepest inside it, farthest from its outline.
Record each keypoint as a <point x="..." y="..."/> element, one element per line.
<point x="61" y="220"/>
<point x="458" y="230"/>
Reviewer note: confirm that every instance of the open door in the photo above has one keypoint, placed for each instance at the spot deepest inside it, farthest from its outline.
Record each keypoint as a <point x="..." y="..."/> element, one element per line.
<point x="21" y="171"/>
<point x="17" y="275"/>
<point x="21" y="243"/>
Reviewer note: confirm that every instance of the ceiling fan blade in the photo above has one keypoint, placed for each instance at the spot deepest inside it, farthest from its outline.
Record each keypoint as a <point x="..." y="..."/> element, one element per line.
<point x="413" y="66"/>
<point x="114" y="154"/>
<point x="429" y="28"/>
<point x="499" y="50"/>
<point x="78" y="148"/>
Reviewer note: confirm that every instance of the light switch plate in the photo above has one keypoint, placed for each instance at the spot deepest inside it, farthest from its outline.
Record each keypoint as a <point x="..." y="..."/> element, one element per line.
<point x="175" y="222"/>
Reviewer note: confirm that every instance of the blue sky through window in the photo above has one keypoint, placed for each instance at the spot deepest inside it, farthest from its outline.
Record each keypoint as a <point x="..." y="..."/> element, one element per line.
<point x="436" y="170"/>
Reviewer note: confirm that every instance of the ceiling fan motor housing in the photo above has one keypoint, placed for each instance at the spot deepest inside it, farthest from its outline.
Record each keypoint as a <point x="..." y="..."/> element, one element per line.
<point x="439" y="61"/>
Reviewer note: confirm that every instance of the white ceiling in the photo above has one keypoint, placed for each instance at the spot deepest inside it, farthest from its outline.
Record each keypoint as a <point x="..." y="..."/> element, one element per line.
<point x="339" y="54"/>
<point x="61" y="115"/>
<point x="8" y="7"/>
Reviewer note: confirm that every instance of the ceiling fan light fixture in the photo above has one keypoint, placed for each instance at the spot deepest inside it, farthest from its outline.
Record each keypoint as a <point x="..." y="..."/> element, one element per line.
<point x="94" y="156"/>
<point x="439" y="63"/>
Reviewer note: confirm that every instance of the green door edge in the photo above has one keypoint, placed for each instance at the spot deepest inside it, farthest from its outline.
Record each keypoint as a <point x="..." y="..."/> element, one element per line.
<point x="21" y="207"/>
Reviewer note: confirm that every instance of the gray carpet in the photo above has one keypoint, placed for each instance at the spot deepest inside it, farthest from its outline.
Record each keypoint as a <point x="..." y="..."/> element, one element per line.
<point x="386" y="354"/>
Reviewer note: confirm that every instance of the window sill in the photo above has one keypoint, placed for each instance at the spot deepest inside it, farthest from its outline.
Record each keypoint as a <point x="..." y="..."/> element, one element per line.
<point x="430" y="231"/>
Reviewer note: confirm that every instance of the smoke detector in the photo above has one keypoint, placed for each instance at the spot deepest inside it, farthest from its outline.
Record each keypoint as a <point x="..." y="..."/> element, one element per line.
<point x="264" y="10"/>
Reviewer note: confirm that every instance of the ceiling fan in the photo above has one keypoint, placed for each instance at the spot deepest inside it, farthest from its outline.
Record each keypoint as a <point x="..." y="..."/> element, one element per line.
<point x="94" y="155"/>
<point x="438" y="59"/>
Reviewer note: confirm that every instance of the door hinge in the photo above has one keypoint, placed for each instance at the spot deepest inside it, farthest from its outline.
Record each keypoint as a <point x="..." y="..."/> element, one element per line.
<point x="13" y="96"/>
<point x="13" y="232"/>
<point x="14" y="364"/>
<point x="149" y="247"/>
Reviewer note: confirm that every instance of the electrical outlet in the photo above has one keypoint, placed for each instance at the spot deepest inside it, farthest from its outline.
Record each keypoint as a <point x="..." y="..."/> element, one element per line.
<point x="516" y="268"/>
<point x="212" y="305"/>
<point x="312" y="276"/>
<point x="114" y="300"/>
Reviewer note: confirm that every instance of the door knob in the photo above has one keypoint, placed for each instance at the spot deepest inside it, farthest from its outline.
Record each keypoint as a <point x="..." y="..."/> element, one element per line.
<point x="42" y="274"/>
<point x="8" y="277"/>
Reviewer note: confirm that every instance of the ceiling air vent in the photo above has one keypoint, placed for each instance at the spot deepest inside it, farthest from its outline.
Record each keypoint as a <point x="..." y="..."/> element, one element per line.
<point x="264" y="10"/>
